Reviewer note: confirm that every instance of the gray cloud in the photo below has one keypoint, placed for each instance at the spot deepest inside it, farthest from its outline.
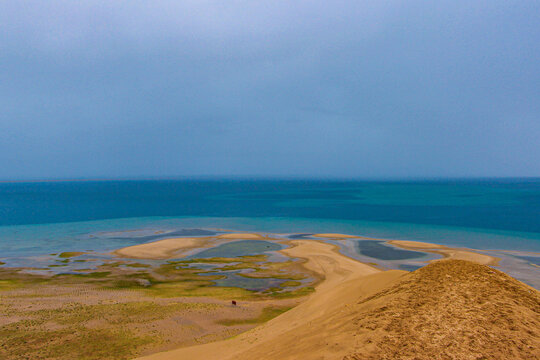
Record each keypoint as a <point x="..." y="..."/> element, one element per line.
<point x="304" y="88"/>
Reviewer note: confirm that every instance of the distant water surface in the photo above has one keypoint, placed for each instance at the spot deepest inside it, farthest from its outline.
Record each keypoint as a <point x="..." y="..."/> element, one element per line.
<point x="44" y="217"/>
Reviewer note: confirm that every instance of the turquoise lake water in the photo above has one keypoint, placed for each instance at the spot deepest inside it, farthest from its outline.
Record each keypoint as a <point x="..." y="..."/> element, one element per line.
<point x="45" y="217"/>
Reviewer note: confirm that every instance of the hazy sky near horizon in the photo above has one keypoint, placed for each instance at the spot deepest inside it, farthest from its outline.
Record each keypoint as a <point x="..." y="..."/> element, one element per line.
<point x="269" y="88"/>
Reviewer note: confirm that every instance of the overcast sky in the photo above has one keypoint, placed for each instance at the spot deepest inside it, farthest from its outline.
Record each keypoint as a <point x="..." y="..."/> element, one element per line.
<point x="269" y="88"/>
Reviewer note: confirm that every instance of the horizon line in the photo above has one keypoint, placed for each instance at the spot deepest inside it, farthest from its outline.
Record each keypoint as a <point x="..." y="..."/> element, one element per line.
<point x="264" y="177"/>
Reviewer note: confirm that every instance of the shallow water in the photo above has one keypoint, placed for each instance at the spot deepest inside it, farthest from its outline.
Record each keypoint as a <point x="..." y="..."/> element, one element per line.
<point x="378" y="250"/>
<point x="37" y="219"/>
<point x="237" y="248"/>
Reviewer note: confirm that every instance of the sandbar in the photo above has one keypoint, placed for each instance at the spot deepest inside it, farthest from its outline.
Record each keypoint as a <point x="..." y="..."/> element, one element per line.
<point x="241" y="236"/>
<point x="162" y="249"/>
<point x="335" y="236"/>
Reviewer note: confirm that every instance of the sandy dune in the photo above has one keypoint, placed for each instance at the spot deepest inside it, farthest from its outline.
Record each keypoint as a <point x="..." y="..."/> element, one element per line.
<point x="161" y="249"/>
<point x="450" y="309"/>
<point x="448" y="253"/>
<point x="340" y="286"/>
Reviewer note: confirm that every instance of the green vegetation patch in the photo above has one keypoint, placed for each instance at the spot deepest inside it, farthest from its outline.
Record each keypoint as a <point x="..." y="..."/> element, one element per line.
<point x="120" y="313"/>
<point x="198" y="288"/>
<point x="10" y="284"/>
<point x="138" y="265"/>
<point x="290" y="283"/>
<point x="22" y="340"/>
<point x="277" y="270"/>
<point x="218" y="260"/>
<point x="266" y="314"/>
<point x="278" y="293"/>
<point x="70" y="254"/>
<point x="93" y="275"/>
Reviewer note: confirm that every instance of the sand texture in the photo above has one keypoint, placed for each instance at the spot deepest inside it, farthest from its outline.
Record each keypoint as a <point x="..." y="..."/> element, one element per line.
<point x="339" y="288"/>
<point x="450" y="309"/>
<point x="161" y="249"/>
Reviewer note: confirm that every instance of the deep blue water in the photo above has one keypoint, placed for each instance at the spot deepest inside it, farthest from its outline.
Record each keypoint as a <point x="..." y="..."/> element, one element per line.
<point x="43" y="217"/>
<point x="492" y="204"/>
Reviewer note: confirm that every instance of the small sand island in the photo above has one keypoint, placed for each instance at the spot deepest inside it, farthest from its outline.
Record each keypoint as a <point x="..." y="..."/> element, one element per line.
<point x="248" y="296"/>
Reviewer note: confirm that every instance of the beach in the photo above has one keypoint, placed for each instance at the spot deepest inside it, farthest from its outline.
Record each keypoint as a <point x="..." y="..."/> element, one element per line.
<point x="172" y="297"/>
<point x="307" y="329"/>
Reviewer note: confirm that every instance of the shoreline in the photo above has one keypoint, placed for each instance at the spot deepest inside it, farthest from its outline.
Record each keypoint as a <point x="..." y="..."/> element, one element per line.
<point x="337" y="272"/>
<point x="178" y="247"/>
<point x="343" y="279"/>
<point x="262" y="321"/>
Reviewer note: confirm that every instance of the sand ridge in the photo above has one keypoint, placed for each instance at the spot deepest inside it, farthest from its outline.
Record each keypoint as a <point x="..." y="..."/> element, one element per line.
<point x="446" y="252"/>
<point x="450" y="309"/>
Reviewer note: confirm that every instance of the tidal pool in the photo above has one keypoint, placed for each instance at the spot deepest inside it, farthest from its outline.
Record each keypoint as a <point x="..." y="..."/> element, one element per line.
<point x="378" y="250"/>
<point x="237" y="248"/>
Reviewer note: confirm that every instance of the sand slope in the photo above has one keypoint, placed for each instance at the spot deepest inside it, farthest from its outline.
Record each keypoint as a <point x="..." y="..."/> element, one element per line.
<point x="335" y="291"/>
<point x="450" y="309"/>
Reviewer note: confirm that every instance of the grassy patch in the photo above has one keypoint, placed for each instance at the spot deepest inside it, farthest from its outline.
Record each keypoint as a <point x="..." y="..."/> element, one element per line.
<point x="278" y="293"/>
<point x="23" y="341"/>
<point x="262" y="274"/>
<point x="198" y="288"/>
<point x="239" y="266"/>
<point x="266" y="314"/>
<point x="290" y="283"/>
<point x="93" y="275"/>
<point x="138" y="265"/>
<point x="70" y="332"/>
<point x="120" y="313"/>
<point x="218" y="260"/>
<point x="6" y="285"/>
<point x="70" y="254"/>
